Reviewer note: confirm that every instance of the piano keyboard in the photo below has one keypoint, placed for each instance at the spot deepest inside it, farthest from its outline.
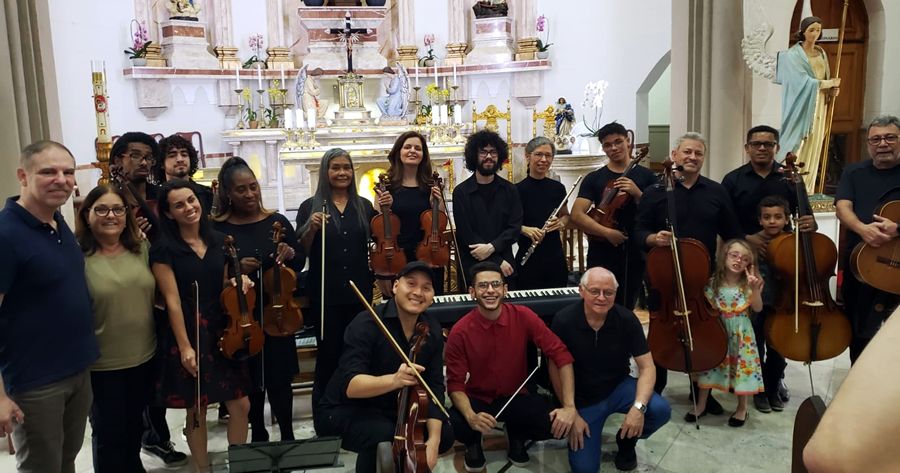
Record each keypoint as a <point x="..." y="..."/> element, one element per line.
<point x="544" y="302"/>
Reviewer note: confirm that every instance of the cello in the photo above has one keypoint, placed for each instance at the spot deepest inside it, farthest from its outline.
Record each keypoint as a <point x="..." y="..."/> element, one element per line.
<point x="281" y="315"/>
<point x="387" y="258"/>
<point x="685" y="332"/>
<point x="408" y="446"/>
<point x="606" y="212"/>
<point x="243" y="337"/>
<point x="434" y="249"/>
<point x="807" y="324"/>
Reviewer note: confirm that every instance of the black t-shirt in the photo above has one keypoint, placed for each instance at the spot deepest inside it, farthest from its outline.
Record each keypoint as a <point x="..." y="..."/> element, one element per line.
<point x="539" y="198"/>
<point x="592" y="189"/>
<point x="601" y="356"/>
<point x="746" y="188"/>
<point x="867" y="187"/>
<point x="409" y="203"/>
<point x="254" y="240"/>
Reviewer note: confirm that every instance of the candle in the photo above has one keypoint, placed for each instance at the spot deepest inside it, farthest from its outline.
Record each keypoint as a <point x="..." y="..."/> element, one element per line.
<point x="311" y="119"/>
<point x="457" y="114"/>
<point x="434" y="115"/>
<point x="301" y="123"/>
<point x="445" y="118"/>
<point x="283" y="85"/>
<point x="259" y="76"/>
<point x="436" y="76"/>
<point x="454" y="75"/>
<point x="417" y="76"/>
<point x="289" y="119"/>
<point x="237" y="77"/>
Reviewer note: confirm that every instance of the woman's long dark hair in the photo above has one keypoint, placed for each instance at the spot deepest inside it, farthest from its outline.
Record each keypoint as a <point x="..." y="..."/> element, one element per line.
<point x="131" y="235"/>
<point x="222" y="204"/>
<point x="323" y="192"/>
<point x="168" y="225"/>
<point x="395" y="171"/>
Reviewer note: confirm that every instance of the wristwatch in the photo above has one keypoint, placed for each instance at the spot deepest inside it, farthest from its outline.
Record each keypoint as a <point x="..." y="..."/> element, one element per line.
<point x="641" y="407"/>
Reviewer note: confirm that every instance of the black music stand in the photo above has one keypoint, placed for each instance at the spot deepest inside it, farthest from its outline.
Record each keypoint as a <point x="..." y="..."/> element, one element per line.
<point x="277" y="457"/>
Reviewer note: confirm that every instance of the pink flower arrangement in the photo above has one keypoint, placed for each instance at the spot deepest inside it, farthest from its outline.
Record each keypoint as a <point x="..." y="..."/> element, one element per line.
<point x="140" y="39"/>
<point x="429" y="43"/>
<point x="256" y="43"/>
<point x="543" y="24"/>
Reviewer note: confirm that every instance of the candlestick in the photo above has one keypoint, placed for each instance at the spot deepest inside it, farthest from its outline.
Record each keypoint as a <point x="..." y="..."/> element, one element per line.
<point x="259" y="76"/>
<point x="435" y="75"/>
<point x="237" y="77"/>
<point x="240" y="93"/>
<point x="282" y="74"/>
<point x="454" y="76"/>
<point x="417" y="77"/>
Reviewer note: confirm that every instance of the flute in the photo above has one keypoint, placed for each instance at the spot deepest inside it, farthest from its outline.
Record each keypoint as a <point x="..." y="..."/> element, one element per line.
<point x="534" y="244"/>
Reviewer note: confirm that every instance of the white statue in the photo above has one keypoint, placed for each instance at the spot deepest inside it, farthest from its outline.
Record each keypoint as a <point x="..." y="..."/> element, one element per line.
<point x="395" y="103"/>
<point x="306" y="95"/>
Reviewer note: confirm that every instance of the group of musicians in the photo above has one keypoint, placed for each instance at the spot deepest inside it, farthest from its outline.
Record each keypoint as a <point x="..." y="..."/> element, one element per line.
<point x="130" y="303"/>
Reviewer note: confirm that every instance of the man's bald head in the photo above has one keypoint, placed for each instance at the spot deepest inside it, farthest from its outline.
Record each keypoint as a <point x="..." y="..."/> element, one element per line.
<point x="595" y="274"/>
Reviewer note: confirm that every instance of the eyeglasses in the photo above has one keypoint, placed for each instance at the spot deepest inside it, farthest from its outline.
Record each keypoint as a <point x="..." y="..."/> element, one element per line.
<point x="595" y="293"/>
<point x="764" y="144"/>
<point x="876" y="140"/>
<point x="483" y="285"/>
<point x="103" y="211"/>
<point x="488" y="152"/>
<point x="138" y="157"/>
<point x="738" y="256"/>
<point x="543" y="155"/>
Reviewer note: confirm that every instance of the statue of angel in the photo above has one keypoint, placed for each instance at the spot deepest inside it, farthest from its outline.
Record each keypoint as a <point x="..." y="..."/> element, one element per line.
<point x="803" y="72"/>
<point x="306" y="95"/>
<point x="395" y="103"/>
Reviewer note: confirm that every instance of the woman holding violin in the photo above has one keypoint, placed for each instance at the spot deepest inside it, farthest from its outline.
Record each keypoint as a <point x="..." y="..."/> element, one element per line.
<point x="121" y="286"/>
<point x="345" y="216"/>
<point x="546" y="266"/>
<point x="240" y="213"/>
<point x="194" y="373"/>
<point x="413" y="192"/>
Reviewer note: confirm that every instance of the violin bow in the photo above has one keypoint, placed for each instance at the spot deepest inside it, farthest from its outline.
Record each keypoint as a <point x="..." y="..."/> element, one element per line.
<point x="519" y="389"/>
<point x="459" y="266"/>
<point x="396" y="347"/>
<point x="544" y="228"/>
<point x="197" y="351"/>
<point x="322" y="286"/>
<point x="262" y="316"/>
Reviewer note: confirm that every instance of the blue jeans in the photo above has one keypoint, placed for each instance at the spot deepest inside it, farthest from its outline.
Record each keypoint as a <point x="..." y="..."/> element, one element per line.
<point x="620" y="400"/>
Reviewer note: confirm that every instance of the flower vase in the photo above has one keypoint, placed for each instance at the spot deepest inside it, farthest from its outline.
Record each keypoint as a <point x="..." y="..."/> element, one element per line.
<point x="593" y="145"/>
<point x="428" y="62"/>
<point x="253" y="124"/>
<point x="139" y="61"/>
<point x="543" y="54"/>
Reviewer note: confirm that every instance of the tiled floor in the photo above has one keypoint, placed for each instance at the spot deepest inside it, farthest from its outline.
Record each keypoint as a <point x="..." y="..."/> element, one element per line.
<point x="762" y="445"/>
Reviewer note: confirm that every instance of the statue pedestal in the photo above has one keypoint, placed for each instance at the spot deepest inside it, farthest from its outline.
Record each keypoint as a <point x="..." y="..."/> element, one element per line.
<point x="569" y="166"/>
<point x="328" y="52"/>
<point x="351" y="110"/>
<point x="493" y="41"/>
<point x="184" y="45"/>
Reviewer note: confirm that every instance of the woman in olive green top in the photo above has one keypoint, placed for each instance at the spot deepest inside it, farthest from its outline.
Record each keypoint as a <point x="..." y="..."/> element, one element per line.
<point x="121" y="287"/>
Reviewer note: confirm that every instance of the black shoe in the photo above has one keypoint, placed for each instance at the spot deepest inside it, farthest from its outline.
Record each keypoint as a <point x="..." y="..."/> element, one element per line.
<point x="517" y="453"/>
<point x="761" y="402"/>
<point x="626" y="458"/>
<point x="474" y="458"/>
<point x="735" y="422"/>
<point x="783" y="392"/>
<point x="713" y="407"/>
<point x="776" y="403"/>
<point x="691" y="417"/>
<point x="167" y="453"/>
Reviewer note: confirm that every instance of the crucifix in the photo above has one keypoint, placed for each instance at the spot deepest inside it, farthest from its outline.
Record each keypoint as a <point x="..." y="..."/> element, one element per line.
<point x="348" y="36"/>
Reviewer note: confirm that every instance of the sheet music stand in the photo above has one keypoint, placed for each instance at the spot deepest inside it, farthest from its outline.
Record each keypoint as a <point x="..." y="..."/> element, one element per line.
<point x="278" y="457"/>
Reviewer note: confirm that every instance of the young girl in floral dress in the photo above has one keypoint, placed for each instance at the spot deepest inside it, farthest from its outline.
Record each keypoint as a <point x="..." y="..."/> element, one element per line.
<point x="735" y="290"/>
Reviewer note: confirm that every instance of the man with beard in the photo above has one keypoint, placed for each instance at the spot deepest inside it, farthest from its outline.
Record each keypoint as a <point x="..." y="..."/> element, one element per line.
<point x="863" y="188"/>
<point x="360" y="402"/>
<point x="486" y="207"/>
<point x="486" y="364"/>
<point x="612" y="248"/>
<point x="132" y="156"/>
<point x="179" y="160"/>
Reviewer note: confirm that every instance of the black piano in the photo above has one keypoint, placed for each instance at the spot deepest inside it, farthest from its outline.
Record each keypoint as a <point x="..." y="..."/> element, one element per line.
<point x="544" y="302"/>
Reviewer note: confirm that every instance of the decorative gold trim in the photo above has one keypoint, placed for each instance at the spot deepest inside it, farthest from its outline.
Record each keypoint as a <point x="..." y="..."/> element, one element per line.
<point x="549" y="117"/>
<point x="408" y="55"/>
<point x="822" y="206"/>
<point x="527" y="49"/>
<point x="490" y="115"/>
<point x="227" y="56"/>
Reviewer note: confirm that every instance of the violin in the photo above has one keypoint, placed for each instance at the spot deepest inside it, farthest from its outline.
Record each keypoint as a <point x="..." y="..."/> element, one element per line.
<point x="606" y="212"/>
<point x="412" y="410"/>
<point x="434" y="249"/>
<point x="685" y="332"/>
<point x="807" y="324"/>
<point x="243" y="337"/>
<point x="146" y="208"/>
<point x="879" y="266"/>
<point x="387" y="258"/>
<point x="281" y="315"/>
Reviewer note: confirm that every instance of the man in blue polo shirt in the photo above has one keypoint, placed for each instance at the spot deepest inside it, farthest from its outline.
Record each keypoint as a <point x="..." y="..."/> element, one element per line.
<point x="602" y="337"/>
<point x="46" y="327"/>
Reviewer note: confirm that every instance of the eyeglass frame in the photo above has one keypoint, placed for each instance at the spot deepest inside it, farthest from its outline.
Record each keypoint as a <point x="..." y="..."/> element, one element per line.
<point x="765" y="144"/>
<point x="132" y="156"/>
<point x="483" y="285"/>
<point x="595" y="293"/>
<point x="97" y="210"/>
<point x="890" y="139"/>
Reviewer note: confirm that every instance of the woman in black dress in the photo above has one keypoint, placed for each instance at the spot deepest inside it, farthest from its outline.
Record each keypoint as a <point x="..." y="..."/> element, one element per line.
<point x="546" y="267"/>
<point x="191" y="251"/>
<point x="347" y="236"/>
<point x="410" y="176"/>
<point x="240" y="214"/>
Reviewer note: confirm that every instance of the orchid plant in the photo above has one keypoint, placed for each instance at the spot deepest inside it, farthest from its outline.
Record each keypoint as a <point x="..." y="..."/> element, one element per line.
<point x="542" y="25"/>
<point x="429" y="43"/>
<point x="140" y="40"/>
<point x="256" y="43"/>
<point x="593" y="99"/>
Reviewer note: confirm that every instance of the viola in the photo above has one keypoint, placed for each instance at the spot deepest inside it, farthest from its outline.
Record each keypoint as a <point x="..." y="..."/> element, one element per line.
<point x="243" y="337"/>
<point x="281" y="315"/>
<point x="879" y="267"/>
<point x="606" y="212"/>
<point x="412" y="411"/>
<point x="807" y="324"/>
<point x="387" y="258"/>
<point x="146" y="208"/>
<point x="685" y="332"/>
<point x="434" y="249"/>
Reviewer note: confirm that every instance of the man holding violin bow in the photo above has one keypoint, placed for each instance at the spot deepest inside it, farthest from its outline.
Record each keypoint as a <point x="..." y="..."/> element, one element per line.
<point x="360" y="403"/>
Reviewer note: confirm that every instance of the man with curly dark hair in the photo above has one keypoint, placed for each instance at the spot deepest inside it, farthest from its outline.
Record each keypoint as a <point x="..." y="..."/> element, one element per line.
<point x="486" y="208"/>
<point x="179" y="160"/>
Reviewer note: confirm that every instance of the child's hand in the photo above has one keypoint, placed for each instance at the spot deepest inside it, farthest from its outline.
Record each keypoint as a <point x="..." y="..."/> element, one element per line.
<point x="754" y="280"/>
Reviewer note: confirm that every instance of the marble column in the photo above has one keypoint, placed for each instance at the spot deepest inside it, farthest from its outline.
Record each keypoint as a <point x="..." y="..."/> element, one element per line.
<point x="143" y="11"/>
<point x="458" y="13"/>
<point x="277" y="53"/>
<point x="406" y="22"/>
<point x="523" y="11"/>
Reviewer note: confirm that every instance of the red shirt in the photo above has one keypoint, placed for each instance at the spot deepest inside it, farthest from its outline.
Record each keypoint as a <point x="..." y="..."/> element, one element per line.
<point x="492" y="353"/>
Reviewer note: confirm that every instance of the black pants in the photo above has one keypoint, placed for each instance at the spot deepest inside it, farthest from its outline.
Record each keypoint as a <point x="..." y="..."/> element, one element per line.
<point x="362" y="429"/>
<point x="329" y="349"/>
<point x="120" y="397"/>
<point x="867" y="308"/>
<point x="527" y="418"/>
<point x="281" y="400"/>
<point x="773" y="363"/>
